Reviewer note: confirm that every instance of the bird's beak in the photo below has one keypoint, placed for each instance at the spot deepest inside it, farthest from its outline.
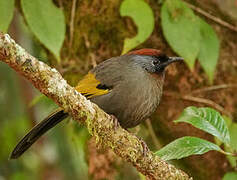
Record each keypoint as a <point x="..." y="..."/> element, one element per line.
<point x="168" y="61"/>
<point x="173" y="59"/>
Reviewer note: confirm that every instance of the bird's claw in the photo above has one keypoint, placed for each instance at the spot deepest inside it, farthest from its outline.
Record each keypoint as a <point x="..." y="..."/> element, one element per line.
<point x="115" y="122"/>
<point x="144" y="146"/>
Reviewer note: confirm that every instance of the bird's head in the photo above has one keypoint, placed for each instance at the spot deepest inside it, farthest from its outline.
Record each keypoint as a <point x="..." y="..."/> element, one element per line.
<point x="153" y="60"/>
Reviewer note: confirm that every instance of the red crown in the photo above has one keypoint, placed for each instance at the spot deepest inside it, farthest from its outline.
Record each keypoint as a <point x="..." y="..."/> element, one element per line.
<point x="146" y="52"/>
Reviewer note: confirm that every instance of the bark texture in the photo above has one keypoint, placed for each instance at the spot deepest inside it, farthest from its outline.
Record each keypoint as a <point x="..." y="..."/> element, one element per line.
<point x="99" y="124"/>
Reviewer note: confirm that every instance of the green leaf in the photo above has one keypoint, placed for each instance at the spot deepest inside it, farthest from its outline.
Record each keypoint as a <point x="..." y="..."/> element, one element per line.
<point x="209" y="51"/>
<point x="230" y="176"/>
<point x="181" y="30"/>
<point x="142" y="15"/>
<point x="186" y="146"/>
<point x="233" y="144"/>
<point x="36" y="100"/>
<point x="6" y="14"/>
<point x="77" y="138"/>
<point x="233" y="135"/>
<point x="47" y="23"/>
<point x="208" y="120"/>
<point x="18" y="175"/>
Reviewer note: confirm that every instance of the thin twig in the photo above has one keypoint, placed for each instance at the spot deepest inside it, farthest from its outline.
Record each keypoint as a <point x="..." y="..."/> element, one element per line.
<point x="91" y="55"/>
<point x="72" y="22"/>
<point x="200" y="100"/>
<point x="205" y="101"/>
<point x="212" y="88"/>
<point x="153" y="135"/>
<point x="215" y="19"/>
<point x="93" y="61"/>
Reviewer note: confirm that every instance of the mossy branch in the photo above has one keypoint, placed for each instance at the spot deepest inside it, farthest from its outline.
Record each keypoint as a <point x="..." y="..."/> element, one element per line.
<point x="101" y="125"/>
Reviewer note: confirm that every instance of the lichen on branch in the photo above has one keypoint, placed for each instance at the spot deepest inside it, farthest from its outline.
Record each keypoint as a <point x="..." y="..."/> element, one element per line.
<point x="101" y="125"/>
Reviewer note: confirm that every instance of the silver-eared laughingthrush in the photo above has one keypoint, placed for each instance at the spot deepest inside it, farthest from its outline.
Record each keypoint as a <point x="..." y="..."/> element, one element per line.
<point x="128" y="87"/>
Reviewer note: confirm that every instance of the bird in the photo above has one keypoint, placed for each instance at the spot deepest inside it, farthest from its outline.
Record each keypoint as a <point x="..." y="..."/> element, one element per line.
<point x="128" y="87"/>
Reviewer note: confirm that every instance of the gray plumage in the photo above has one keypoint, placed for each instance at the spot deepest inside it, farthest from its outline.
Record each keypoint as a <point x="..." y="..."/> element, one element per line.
<point x="134" y="82"/>
<point x="135" y="92"/>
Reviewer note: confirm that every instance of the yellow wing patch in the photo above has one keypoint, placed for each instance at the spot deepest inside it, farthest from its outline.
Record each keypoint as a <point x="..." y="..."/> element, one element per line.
<point x="88" y="86"/>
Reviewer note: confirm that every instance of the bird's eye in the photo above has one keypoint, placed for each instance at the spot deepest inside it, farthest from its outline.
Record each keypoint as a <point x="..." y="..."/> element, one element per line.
<point x="155" y="63"/>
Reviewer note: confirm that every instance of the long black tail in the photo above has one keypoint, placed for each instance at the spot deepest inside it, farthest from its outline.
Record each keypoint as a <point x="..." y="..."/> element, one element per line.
<point x="37" y="131"/>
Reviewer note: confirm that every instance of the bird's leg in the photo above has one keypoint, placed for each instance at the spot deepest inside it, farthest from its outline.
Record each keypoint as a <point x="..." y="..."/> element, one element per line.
<point x="115" y="121"/>
<point x="116" y="125"/>
<point x="144" y="146"/>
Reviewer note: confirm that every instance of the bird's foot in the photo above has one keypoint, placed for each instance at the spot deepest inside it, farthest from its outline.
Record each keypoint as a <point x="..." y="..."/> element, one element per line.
<point x="115" y="121"/>
<point x="144" y="146"/>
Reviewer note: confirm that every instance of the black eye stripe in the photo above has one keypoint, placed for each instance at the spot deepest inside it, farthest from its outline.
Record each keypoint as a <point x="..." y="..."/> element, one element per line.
<point x="163" y="58"/>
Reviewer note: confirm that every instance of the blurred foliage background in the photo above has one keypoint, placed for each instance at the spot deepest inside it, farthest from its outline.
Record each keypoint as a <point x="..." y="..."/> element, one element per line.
<point x="73" y="36"/>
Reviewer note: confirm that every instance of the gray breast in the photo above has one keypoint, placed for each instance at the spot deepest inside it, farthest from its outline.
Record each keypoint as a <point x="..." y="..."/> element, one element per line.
<point x="135" y="95"/>
<point x="142" y="101"/>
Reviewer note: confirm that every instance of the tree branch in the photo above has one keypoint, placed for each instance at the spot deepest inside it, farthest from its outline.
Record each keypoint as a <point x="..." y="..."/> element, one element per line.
<point x="99" y="124"/>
